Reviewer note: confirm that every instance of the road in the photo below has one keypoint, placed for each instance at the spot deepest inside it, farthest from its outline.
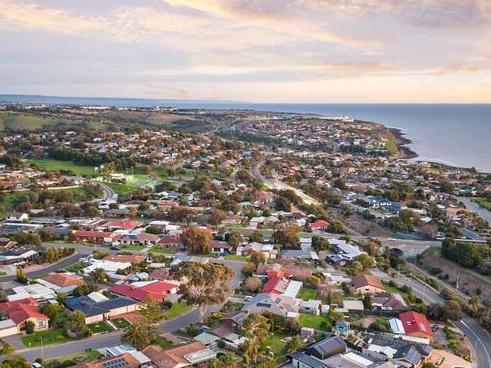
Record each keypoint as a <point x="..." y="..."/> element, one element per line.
<point x="279" y="185"/>
<point x="114" y="338"/>
<point x="479" y="338"/>
<point x="79" y="253"/>
<point x="474" y="207"/>
<point x="107" y="191"/>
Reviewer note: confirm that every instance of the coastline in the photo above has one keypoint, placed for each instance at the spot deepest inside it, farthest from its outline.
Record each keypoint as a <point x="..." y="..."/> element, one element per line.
<point x="402" y="142"/>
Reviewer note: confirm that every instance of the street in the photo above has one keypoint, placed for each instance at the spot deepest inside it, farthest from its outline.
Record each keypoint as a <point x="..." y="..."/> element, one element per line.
<point x="113" y="338"/>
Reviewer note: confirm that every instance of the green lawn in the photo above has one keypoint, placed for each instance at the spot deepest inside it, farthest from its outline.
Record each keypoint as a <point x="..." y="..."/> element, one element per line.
<point x="234" y="257"/>
<point x="483" y="202"/>
<point x="100" y="327"/>
<point x="27" y="121"/>
<point x="275" y="344"/>
<point x="48" y="337"/>
<point x="133" y="247"/>
<point x="75" y="267"/>
<point x="157" y="249"/>
<point x="121" y="323"/>
<point x="162" y="342"/>
<point x="176" y="310"/>
<point x="312" y="321"/>
<point x="57" y="165"/>
<point x="120" y="188"/>
<point x="307" y="294"/>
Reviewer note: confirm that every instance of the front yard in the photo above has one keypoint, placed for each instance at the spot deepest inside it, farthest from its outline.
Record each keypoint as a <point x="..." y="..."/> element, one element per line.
<point x="55" y="336"/>
<point x="100" y="327"/>
<point x="121" y="323"/>
<point x="177" y="309"/>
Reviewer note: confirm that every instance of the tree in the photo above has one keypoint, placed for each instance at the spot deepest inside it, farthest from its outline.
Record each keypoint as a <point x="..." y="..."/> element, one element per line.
<point x="252" y="283"/>
<point x="54" y="312"/>
<point x="99" y="275"/>
<point x="181" y="214"/>
<point x="366" y="261"/>
<point x="197" y="240"/>
<point x="258" y="258"/>
<point x="15" y="361"/>
<point x="294" y="344"/>
<point x="248" y="269"/>
<point x="256" y="237"/>
<point x="235" y="239"/>
<point x="453" y="310"/>
<point x="151" y="310"/>
<point x="256" y="329"/>
<point x="287" y="235"/>
<point x="336" y="227"/>
<point x="139" y="335"/>
<point x="20" y="275"/>
<point x="320" y="244"/>
<point x="207" y="284"/>
<point x="367" y="301"/>
<point x="216" y="217"/>
<point x="75" y="326"/>
<point x="30" y="327"/>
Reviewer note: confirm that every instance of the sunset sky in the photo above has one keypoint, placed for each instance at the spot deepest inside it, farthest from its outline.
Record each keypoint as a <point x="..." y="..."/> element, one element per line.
<point x="249" y="50"/>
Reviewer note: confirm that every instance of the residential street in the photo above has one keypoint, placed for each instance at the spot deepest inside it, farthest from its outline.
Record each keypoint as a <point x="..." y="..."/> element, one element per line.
<point x="113" y="338"/>
<point x="478" y="336"/>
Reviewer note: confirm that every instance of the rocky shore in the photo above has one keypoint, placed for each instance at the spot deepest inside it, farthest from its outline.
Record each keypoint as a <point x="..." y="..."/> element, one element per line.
<point x="402" y="143"/>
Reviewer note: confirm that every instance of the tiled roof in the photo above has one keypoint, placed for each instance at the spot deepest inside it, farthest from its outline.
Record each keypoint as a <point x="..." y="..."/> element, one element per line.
<point x="414" y="322"/>
<point x="367" y="280"/>
<point x="63" y="280"/>
<point x="21" y="310"/>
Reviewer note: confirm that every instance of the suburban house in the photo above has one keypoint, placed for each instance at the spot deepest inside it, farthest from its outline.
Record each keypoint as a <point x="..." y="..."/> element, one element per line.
<point x="282" y="286"/>
<point x="156" y="290"/>
<point x="93" y="237"/>
<point x="124" y="224"/>
<point x="97" y="307"/>
<point x="319" y="225"/>
<point x="19" y="312"/>
<point x="18" y="256"/>
<point x="388" y="302"/>
<point x="170" y="241"/>
<point x="220" y="247"/>
<point x="367" y="284"/>
<point x="267" y="249"/>
<point x="416" y="324"/>
<point x="403" y="351"/>
<point x="126" y="360"/>
<point x="140" y="238"/>
<point x="277" y="304"/>
<point x="134" y="259"/>
<point x="311" y="307"/>
<point x="61" y="282"/>
<point x="183" y="355"/>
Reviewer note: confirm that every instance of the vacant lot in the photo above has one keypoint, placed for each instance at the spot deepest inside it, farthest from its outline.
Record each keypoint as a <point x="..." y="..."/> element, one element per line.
<point x="469" y="280"/>
<point x="22" y="121"/>
<point x="58" y="165"/>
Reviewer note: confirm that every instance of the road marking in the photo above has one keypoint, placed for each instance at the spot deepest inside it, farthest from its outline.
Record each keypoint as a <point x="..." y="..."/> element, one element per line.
<point x="478" y="339"/>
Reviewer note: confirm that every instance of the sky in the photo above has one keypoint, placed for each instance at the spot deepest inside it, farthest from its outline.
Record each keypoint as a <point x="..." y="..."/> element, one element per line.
<point x="292" y="51"/>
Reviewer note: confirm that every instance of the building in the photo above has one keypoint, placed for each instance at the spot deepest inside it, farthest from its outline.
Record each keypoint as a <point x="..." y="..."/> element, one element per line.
<point x="277" y="304"/>
<point x="319" y="225"/>
<point x="179" y="356"/>
<point x="97" y="307"/>
<point x="156" y="290"/>
<point x="416" y="324"/>
<point x="282" y="286"/>
<point x="61" y="282"/>
<point x="126" y="258"/>
<point x="93" y="237"/>
<point x="367" y="284"/>
<point x="126" y="360"/>
<point x="124" y="224"/>
<point x="20" y="312"/>
<point x="388" y="302"/>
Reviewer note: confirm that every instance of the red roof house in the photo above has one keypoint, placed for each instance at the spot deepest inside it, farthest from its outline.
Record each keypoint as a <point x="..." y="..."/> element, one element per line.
<point x="95" y="237"/>
<point x="319" y="225"/>
<point x="157" y="290"/>
<point x="276" y="285"/>
<point x="23" y="310"/>
<point x="416" y="324"/>
<point x="170" y="241"/>
<point x="125" y="224"/>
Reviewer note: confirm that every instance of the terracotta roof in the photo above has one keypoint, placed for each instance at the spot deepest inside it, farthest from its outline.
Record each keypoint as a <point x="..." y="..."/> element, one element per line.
<point x="125" y="224"/>
<point x="319" y="224"/>
<point x="93" y="234"/>
<point x="160" y="273"/>
<point x="276" y="285"/>
<point x="172" y="357"/>
<point x="63" y="280"/>
<point x="131" y="258"/>
<point x="21" y="310"/>
<point x="367" y="280"/>
<point x="127" y="360"/>
<point x="157" y="290"/>
<point x="170" y="240"/>
<point x="414" y="322"/>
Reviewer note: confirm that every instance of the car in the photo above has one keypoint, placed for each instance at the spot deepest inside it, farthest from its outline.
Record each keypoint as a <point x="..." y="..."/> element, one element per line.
<point x="113" y="247"/>
<point x="247" y="298"/>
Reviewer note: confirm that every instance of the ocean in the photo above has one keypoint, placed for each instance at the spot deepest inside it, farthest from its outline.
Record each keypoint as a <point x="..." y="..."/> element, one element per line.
<point x="452" y="134"/>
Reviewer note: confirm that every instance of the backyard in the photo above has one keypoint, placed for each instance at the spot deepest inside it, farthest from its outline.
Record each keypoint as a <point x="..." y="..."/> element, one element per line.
<point x="316" y="322"/>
